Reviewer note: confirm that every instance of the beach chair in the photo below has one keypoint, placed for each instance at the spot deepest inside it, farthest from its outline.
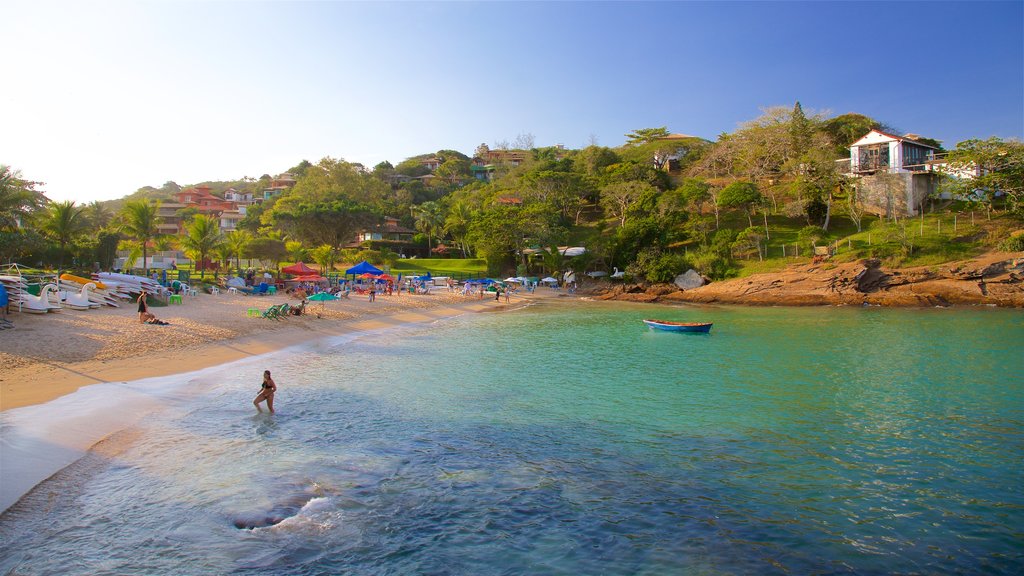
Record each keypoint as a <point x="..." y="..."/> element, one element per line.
<point x="272" y="313"/>
<point x="262" y="289"/>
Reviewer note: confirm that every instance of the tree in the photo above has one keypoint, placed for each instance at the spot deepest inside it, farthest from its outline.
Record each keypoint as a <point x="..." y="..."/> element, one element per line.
<point x="238" y="241"/>
<point x="334" y="223"/>
<point x="453" y="170"/>
<point x="846" y="129"/>
<point x="800" y="131"/>
<point x="64" y="221"/>
<point x="106" y="248"/>
<point x="325" y="256"/>
<point x="202" y="238"/>
<point x="268" y="249"/>
<point x="618" y="198"/>
<point x="456" y="224"/>
<point x="645" y="135"/>
<point x="18" y="198"/>
<point x="429" y="219"/>
<point x="296" y="251"/>
<point x="741" y="195"/>
<point x="139" y="220"/>
<point x="163" y="242"/>
<point x="98" y="215"/>
<point x="523" y="141"/>
<point x="997" y="166"/>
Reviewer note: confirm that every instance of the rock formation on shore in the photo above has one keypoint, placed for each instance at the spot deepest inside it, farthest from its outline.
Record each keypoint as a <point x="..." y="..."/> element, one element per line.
<point x="995" y="279"/>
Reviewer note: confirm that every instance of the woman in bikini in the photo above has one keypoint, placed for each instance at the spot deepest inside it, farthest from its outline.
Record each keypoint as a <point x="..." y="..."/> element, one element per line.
<point x="266" y="392"/>
<point x="144" y="314"/>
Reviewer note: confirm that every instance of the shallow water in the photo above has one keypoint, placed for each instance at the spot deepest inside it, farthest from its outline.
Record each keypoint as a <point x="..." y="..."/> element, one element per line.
<point x="568" y="441"/>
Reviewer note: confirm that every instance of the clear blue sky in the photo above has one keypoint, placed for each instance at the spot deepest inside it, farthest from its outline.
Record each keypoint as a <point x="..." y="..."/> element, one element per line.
<point x="103" y="98"/>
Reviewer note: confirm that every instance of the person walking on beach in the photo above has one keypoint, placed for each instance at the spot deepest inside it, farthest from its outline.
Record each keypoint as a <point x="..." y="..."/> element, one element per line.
<point x="267" y="390"/>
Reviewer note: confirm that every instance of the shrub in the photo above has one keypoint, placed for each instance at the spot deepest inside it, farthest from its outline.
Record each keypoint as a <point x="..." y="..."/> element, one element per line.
<point x="1015" y="243"/>
<point x="656" y="266"/>
<point x="809" y="236"/>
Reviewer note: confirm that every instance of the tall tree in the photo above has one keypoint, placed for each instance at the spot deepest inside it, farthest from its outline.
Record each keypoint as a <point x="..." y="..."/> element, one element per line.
<point x="429" y="220"/>
<point x="98" y="214"/>
<point x="800" y="131"/>
<point x="139" y="220"/>
<point x="238" y="241"/>
<point x="18" y="198"/>
<point x="456" y="224"/>
<point x="201" y="239"/>
<point x="64" y="221"/>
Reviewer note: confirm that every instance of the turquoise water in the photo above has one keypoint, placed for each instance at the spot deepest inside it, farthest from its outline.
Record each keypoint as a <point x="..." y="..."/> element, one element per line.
<point x="572" y="440"/>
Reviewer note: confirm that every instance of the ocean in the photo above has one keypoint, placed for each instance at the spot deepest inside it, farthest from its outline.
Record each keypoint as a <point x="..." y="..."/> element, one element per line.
<point x="568" y="439"/>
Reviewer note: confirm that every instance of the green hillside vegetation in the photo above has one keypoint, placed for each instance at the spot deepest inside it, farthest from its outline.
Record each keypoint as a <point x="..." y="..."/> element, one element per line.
<point x="757" y="199"/>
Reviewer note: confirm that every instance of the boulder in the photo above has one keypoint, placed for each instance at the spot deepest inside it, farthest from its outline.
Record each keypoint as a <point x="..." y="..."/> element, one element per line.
<point x="689" y="280"/>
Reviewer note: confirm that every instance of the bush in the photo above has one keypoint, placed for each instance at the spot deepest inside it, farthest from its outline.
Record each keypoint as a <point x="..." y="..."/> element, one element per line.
<point x="656" y="266"/>
<point x="808" y="237"/>
<point x="1015" y="243"/>
<point x="372" y="256"/>
<point x="713" y="264"/>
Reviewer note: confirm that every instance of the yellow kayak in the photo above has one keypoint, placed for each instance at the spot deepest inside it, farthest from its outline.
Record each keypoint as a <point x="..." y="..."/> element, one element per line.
<point x="83" y="281"/>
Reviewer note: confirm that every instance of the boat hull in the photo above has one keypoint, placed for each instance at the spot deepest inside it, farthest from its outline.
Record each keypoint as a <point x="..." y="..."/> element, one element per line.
<point x="667" y="326"/>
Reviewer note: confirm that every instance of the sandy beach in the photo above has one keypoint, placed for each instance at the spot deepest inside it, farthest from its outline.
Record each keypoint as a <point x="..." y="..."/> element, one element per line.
<point x="47" y="356"/>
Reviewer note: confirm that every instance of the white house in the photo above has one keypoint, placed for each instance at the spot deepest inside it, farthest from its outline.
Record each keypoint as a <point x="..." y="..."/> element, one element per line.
<point x="895" y="174"/>
<point x="878" y="151"/>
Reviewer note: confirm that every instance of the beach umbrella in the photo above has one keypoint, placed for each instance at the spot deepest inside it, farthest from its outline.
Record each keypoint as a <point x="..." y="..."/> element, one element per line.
<point x="386" y="277"/>
<point x="310" y="278"/>
<point x="549" y="280"/>
<point x="322" y="297"/>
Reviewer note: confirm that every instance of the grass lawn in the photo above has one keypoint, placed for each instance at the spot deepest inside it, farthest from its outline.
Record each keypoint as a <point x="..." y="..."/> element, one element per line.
<point x="456" y="267"/>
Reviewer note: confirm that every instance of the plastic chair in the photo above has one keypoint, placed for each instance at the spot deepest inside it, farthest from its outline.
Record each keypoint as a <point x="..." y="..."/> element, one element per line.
<point x="253" y="312"/>
<point x="175" y="299"/>
<point x="271" y="290"/>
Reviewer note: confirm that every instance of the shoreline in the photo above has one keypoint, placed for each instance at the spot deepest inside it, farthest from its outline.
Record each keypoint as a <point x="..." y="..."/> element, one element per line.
<point x="995" y="279"/>
<point x="44" y="360"/>
<point x="47" y="428"/>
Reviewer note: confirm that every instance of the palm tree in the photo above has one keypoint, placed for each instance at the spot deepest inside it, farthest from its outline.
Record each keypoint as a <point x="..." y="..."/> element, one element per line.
<point x="239" y="241"/>
<point x="296" y="251"/>
<point x="140" y="221"/>
<point x="98" y="214"/>
<point x="457" y="224"/>
<point x="429" y="219"/>
<point x="202" y="237"/>
<point x="164" y="242"/>
<point x="64" y="221"/>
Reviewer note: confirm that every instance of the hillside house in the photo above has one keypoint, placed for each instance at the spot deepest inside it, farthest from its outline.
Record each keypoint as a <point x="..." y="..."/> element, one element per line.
<point x="895" y="174"/>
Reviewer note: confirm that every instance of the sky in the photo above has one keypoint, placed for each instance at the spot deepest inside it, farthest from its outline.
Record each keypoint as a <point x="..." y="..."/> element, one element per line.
<point x="99" y="99"/>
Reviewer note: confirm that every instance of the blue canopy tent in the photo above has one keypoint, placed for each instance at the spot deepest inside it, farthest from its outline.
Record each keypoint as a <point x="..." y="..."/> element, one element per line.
<point x="364" y="267"/>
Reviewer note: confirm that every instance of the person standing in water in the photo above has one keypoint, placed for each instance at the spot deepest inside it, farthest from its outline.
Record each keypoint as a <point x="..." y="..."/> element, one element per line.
<point x="266" y="392"/>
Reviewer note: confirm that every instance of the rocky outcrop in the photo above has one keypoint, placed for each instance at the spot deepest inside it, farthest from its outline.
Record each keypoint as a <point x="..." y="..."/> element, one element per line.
<point x="995" y="279"/>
